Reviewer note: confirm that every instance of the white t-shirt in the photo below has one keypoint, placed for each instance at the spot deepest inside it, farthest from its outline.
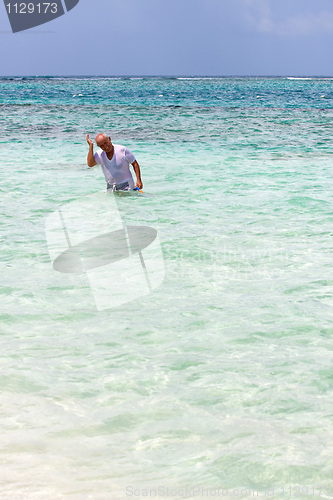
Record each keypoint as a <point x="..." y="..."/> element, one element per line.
<point x="116" y="171"/>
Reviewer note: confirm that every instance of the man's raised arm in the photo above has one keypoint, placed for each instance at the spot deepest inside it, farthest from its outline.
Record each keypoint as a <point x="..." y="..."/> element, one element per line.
<point x="90" y="158"/>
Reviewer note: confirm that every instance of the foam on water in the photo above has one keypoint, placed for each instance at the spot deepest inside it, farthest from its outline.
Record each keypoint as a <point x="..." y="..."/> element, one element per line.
<point x="222" y="377"/>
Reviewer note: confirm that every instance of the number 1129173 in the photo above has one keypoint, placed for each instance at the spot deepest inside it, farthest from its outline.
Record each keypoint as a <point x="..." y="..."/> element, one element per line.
<point x="31" y="8"/>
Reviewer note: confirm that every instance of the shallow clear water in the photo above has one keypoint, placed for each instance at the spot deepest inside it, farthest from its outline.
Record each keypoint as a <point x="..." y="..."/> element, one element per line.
<point x="219" y="379"/>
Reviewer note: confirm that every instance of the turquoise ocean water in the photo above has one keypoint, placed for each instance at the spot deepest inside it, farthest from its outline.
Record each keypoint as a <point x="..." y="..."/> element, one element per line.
<point x="219" y="382"/>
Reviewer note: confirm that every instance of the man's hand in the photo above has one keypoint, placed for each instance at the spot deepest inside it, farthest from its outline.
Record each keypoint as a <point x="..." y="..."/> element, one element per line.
<point x="90" y="158"/>
<point x="138" y="185"/>
<point x="89" y="141"/>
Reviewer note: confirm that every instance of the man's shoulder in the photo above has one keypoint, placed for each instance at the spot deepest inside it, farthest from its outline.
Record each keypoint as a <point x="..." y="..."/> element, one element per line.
<point x="99" y="153"/>
<point x="99" y="157"/>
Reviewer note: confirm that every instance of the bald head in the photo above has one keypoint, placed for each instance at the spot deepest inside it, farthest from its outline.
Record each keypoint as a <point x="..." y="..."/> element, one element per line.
<point x="103" y="141"/>
<point x="101" y="136"/>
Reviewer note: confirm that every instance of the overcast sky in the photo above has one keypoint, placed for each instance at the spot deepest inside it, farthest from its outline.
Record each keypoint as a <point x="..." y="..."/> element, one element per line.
<point x="176" y="37"/>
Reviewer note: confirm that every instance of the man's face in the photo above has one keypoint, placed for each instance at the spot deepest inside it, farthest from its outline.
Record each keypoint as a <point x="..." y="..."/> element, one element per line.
<point x="104" y="144"/>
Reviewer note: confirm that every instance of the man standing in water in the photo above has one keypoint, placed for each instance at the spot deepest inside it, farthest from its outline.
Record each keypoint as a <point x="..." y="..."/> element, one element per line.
<point x="115" y="161"/>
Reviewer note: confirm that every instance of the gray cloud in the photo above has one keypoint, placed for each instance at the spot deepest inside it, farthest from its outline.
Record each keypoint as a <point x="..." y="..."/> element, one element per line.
<point x="307" y="24"/>
<point x="259" y="16"/>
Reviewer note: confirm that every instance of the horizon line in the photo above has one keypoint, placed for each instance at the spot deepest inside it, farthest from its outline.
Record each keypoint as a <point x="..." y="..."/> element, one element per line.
<point x="164" y="76"/>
